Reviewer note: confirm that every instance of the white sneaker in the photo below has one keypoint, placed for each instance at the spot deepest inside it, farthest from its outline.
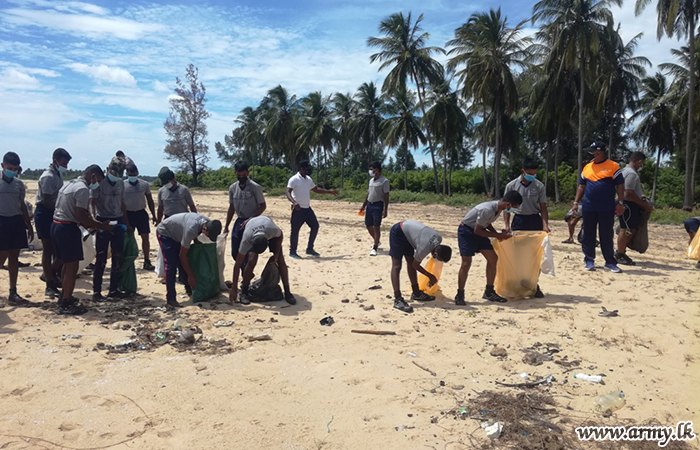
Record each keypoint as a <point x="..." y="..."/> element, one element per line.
<point x="373" y="252"/>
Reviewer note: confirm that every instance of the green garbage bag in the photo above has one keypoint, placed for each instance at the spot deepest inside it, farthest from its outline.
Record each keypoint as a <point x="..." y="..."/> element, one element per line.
<point x="127" y="278"/>
<point x="205" y="267"/>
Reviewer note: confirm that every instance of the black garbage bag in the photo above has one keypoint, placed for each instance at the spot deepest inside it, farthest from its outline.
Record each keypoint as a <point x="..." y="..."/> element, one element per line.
<point x="267" y="287"/>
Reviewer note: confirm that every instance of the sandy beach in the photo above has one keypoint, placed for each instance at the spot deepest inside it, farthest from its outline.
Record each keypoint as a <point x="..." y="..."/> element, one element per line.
<point x="66" y="383"/>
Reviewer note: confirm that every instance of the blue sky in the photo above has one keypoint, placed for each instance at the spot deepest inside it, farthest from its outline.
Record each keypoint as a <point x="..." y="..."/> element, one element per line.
<point x="95" y="77"/>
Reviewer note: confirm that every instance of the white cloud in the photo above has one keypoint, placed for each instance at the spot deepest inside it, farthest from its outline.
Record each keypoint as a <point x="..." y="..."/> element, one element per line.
<point x="33" y="114"/>
<point x="12" y="78"/>
<point x="102" y="72"/>
<point x="159" y="86"/>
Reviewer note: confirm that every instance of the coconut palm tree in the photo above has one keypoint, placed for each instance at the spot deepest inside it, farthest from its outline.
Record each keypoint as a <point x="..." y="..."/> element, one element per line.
<point x="577" y="28"/>
<point x="403" y="48"/>
<point x="369" y="118"/>
<point x="280" y="125"/>
<point x="486" y="50"/>
<point x="344" y="111"/>
<point x="401" y="129"/>
<point x="316" y="129"/>
<point x="655" y="129"/>
<point x="679" y="18"/>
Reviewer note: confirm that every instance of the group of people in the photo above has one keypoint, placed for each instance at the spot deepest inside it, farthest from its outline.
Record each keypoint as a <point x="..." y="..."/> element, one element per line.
<point x="109" y="204"/>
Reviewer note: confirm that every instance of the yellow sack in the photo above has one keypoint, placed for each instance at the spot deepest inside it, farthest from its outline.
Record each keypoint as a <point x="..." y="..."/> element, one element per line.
<point x="694" y="248"/>
<point x="519" y="261"/>
<point x="434" y="267"/>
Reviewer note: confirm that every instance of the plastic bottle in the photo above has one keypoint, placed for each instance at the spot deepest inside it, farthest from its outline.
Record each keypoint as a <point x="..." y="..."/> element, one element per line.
<point x="606" y="404"/>
<point x="591" y="378"/>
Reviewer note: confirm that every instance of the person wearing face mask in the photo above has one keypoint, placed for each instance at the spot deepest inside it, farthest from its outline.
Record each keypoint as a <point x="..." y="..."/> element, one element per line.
<point x="533" y="214"/>
<point x="377" y="204"/>
<point x="50" y="183"/>
<point x="299" y="189"/>
<point x="107" y="205"/>
<point x="635" y="204"/>
<point x="71" y="210"/>
<point x="246" y="200"/>
<point x="137" y="193"/>
<point x="473" y="236"/>
<point x="14" y="223"/>
<point x="173" y="198"/>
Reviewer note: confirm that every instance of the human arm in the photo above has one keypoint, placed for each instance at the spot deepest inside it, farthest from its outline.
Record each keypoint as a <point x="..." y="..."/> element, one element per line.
<point x="151" y="207"/>
<point x="386" y="205"/>
<point x="319" y="190"/>
<point x="86" y="220"/>
<point x="545" y="217"/>
<point x="125" y="218"/>
<point x="27" y="220"/>
<point x="261" y="209"/>
<point x="579" y="195"/>
<point x="233" y="293"/>
<point x="190" y="201"/>
<point x="364" y="204"/>
<point x="419" y="268"/>
<point x="295" y="205"/>
<point x="48" y="201"/>
<point x="278" y="247"/>
<point x="631" y="196"/>
<point x="229" y="216"/>
<point x="620" y="208"/>
<point x="506" y="219"/>
<point x="160" y="208"/>
<point x="489" y="232"/>
<point x="191" y="280"/>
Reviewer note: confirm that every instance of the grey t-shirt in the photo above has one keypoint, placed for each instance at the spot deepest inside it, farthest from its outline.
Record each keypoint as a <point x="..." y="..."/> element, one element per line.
<point x="245" y="201"/>
<point x="632" y="181"/>
<point x="257" y="226"/>
<point x="533" y="195"/>
<point x="421" y="237"/>
<point x="377" y="188"/>
<point x="135" y="195"/>
<point x="183" y="228"/>
<point x="484" y="214"/>
<point x="50" y="182"/>
<point x="11" y="197"/>
<point x="73" y="195"/>
<point x="174" y="202"/>
<point x="108" y="204"/>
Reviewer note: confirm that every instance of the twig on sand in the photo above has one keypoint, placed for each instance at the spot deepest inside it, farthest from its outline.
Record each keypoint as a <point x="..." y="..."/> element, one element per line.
<point x="375" y="332"/>
<point x="530" y="384"/>
<point x="424" y="368"/>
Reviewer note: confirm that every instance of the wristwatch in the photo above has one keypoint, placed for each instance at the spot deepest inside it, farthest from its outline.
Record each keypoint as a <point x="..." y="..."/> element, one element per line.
<point x="620" y="202"/>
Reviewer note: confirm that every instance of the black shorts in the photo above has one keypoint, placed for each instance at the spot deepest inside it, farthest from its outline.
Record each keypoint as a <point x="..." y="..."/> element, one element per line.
<point x="692" y="225"/>
<point x="139" y="221"/>
<point x="13" y="233"/>
<point x="470" y="243"/>
<point x="373" y="214"/>
<point x="399" y="247"/>
<point x="67" y="242"/>
<point x="630" y="218"/>
<point x="43" y="218"/>
<point x="531" y="222"/>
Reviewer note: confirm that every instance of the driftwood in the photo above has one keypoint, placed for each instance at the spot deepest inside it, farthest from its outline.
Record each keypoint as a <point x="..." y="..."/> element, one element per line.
<point x="546" y="380"/>
<point x="375" y="332"/>
<point x="424" y="368"/>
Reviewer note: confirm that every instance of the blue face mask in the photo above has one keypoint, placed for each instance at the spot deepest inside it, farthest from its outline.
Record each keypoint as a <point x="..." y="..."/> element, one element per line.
<point x="9" y="174"/>
<point x="62" y="170"/>
<point x="529" y="177"/>
<point x="93" y="186"/>
<point x="133" y="179"/>
<point x="112" y="178"/>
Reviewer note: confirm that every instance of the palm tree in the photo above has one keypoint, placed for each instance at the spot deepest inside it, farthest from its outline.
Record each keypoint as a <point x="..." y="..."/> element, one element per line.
<point x="403" y="48"/>
<point x="678" y="18"/>
<point x="401" y="129"/>
<point x="620" y="76"/>
<point x="655" y="130"/>
<point x="280" y="125"/>
<point x="369" y="118"/>
<point x="316" y="129"/>
<point x="344" y="111"/>
<point x="577" y="29"/>
<point x="249" y="133"/>
<point x="489" y="50"/>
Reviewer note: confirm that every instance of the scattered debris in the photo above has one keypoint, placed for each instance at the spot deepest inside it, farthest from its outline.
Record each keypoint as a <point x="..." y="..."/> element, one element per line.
<point x="367" y="307"/>
<point x="535" y="358"/>
<point x="375" y="287"/>
<point x="375" y="332"/>
<point x="493" y="431"/>
<point x="424" y="368"/>
<point x="546" y="380"/>
<point x="71" y="336"/>
<point x="259" y="337"/>
<point x="224" y="323"/>
<point x="498" y="352"/>
<point x="606" y="313"/>
<point x="327" y="321"/>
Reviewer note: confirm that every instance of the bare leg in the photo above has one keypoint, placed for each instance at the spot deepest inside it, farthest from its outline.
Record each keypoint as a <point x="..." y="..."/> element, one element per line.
<point x="284" y="271"/>
<point x="623" y="239"/>
<point x="371" y="233"/>
<point x="248" y="272"/>
<point x="464" y="272"/>
<point x="396" y="275"/>
<point x="3" y="258"/>
<point x="46" y="260"/>
<point x="146" y="246"/>
<point x="13" y="266"/>
<point x="70" y="273"/>
<point x="692" y="235"/>
<point x="377" y="236"/>
<point x="491" y="261"/>
<point x="412" y="273"/>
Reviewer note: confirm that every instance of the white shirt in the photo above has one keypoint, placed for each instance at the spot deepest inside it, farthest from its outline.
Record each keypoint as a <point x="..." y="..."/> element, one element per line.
<point x="301" y="189"/>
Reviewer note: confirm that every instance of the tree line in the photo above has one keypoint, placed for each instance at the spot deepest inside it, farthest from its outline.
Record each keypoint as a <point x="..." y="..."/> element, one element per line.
<point x="500" y="93"/>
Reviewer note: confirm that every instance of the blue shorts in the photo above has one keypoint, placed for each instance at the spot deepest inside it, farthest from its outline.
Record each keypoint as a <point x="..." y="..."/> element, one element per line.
<point x="470" y="243"/>
<point x="13" y="233"/>
<point x="399" y="247"/>
<point x="67" y="242"/>
<point x="43" y="218"/>
<point x="692" y="225"/>
<point x="139" y="221"/>
<point x="373" y="214"/>
<point x="530" y="222"/>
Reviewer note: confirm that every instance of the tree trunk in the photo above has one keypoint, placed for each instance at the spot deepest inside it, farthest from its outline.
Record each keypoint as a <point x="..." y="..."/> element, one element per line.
<point x="487" y="188"/>
<point x="656" y="175"/>
<point x="689" y="194"/>
<point x="405" y="165"/>
<point x="449" y="183"/>
<point x="557" y="147"/>
<point x="497" y="154"/>
<point x="695" y="166"/>
<point x="342" y="168"/>
<point x="444" y="174"/>
<point x="582" y="87"/>
<point x="427" y="133"/>
<point x="274" y="169"/>
<point x="546" y="165"/>
<point x="611" y="154"/>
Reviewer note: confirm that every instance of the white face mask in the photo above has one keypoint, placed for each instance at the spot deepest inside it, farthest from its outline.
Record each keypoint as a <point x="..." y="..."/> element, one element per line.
<point x="61" y="169"/>
<point x="371" y="173"/>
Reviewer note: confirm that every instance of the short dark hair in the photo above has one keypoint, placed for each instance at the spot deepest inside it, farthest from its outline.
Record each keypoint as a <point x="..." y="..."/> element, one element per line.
<point x="92" y="170"/>
<point x="132" y="168"/>
<point x="11" y="158"/>
<point x="530" y="164"/>
<point x="305" y="164"/>
<point x="19" y="170"/>
<point x="213" y="229"/>
<point x="259" y="243"/>
<point x="444" y="253"/>
<point x="61" y="153"/>
<point x="376" y="165"/>
<point x="241" y="166"/>
<point x="637" y="156"/>
<point x="513" y="197"/>
<point x="119" y="153"/>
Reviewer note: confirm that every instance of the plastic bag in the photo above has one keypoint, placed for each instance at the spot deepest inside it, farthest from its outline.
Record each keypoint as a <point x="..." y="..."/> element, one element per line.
<point x="204" y="264"/>
<point x="547" y="267"/>
<point x="694" y="248"/>
<point x="221" y="242"/>
<point x="89" y="251"/>
<point x="160" y="264"/>
<point x="519" y="262"/>
<point x="267" y="287"/>
<point x="127" y="278"/>
<point x="434" y="267"/>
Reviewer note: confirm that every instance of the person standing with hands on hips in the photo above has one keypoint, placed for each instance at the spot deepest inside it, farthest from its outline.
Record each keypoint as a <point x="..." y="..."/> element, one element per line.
<point x="376" y="203"/>
<point x="597" y="185"/>
<point x="299" y="189"/>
